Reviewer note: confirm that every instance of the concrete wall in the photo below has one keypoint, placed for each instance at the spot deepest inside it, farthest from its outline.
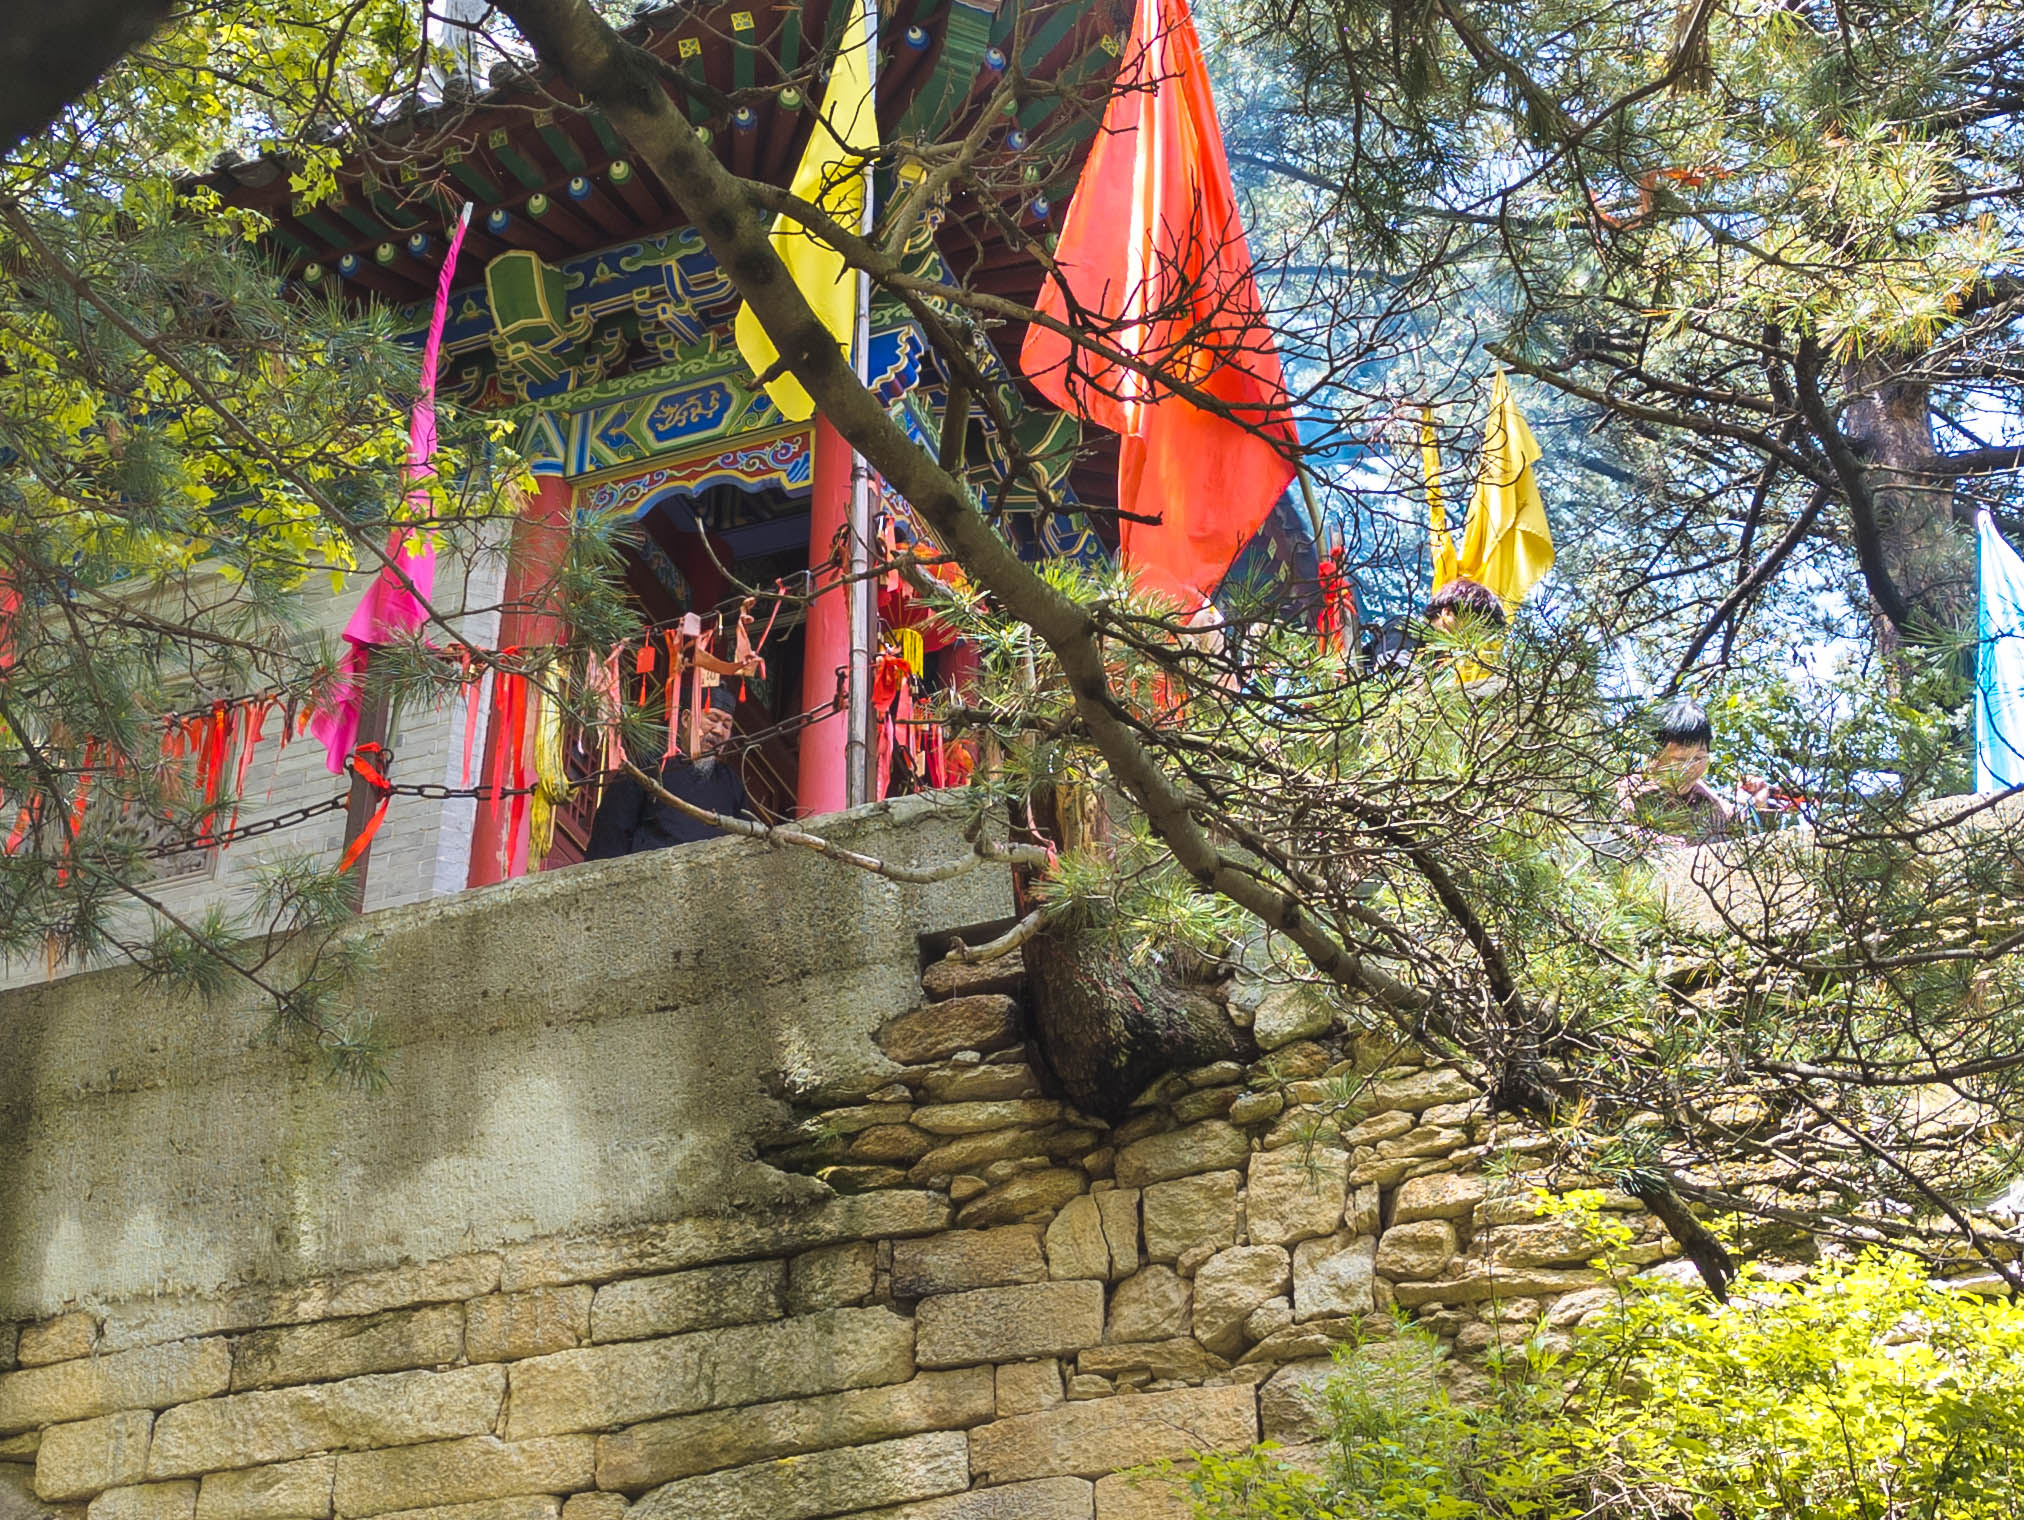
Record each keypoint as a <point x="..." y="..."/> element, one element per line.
<point x="585" y="1048"/>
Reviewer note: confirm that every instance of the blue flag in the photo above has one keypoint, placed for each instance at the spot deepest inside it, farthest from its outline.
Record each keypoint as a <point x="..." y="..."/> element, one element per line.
<point x="1999" y="662"/>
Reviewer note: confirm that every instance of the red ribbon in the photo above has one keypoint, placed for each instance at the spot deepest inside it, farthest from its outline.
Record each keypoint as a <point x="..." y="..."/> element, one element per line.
<point x="517" y="819"/>
<point x="30" y="814"/>
<point x="10" y="604"/>
<point x="365" y="764"/>
<point x="643" y="665"/>
<point x="254" y="720"/>
<point x="214" y="737"/>
<point x="506" y="687"/>
<point x="474" y="690"/>
<point x="81" y="799"/>
<point x="891" y="689"/>
<point x="1336" y="600"/>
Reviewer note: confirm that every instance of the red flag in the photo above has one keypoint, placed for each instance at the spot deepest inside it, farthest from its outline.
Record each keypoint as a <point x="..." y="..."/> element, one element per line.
<point x="1154" y="253"/>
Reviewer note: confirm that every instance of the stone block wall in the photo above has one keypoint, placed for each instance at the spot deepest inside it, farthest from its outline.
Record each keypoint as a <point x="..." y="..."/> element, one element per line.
<point x="1002" y="1309"/>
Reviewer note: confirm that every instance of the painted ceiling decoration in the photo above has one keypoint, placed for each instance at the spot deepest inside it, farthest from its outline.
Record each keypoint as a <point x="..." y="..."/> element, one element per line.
<point x="602" y="322"/>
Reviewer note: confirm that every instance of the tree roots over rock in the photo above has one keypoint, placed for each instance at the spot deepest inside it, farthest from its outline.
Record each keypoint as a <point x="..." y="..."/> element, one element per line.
<point x="1108" y="1029"/>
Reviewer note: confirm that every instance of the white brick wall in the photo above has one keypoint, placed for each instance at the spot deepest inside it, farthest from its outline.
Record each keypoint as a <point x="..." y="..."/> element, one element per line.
<point x="423" y="848"/>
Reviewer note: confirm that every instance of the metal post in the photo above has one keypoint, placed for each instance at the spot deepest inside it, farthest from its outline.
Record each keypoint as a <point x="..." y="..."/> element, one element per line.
<point x="857" y="750"/>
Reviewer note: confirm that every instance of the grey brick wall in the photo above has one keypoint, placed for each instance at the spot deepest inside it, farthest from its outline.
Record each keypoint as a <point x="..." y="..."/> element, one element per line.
<point x="423" y="848"/>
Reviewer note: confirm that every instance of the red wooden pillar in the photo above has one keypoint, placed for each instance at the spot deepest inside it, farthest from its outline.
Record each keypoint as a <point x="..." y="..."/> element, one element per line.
<point x="826" y="649"/>
<point x="962" y="669"/>
<point x="533" y="557"/>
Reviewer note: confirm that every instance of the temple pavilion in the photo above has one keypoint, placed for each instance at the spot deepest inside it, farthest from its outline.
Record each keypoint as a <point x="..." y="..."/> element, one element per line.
<point x="586" y="311"/>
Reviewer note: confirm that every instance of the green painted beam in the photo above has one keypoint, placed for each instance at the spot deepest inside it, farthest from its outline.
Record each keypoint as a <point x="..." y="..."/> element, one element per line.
<point x="392" y="213"/>
<point x="1079" y="71"/>
<point x="563" y="146"/>
<point x="1048" y="37"/>
<point x="358" y="216"/>
<point x="606" y="137"/>
<point x="520" y="166"/>
<point x="790" y="42"/>
<point x="290" y="241"/>
<point x="1090" y="65"/>
<point x="474" y="179"/>
<point x="332" y="233"/>
<point x="967" y="34"/>
<point x="744" y="56"/>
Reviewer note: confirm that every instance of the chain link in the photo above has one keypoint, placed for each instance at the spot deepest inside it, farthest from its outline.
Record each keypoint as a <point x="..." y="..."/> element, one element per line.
<point x="302" y="815"/>
<point x="272" y="825"/>
<point x="437" y="792"/>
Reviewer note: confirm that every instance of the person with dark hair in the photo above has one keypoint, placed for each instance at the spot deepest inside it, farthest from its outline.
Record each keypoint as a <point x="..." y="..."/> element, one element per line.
<point x="1462" y="605"/>
<point x="630" y="820"/>
<point x="1465" y="600"/>
<point x="1670" y="797"/>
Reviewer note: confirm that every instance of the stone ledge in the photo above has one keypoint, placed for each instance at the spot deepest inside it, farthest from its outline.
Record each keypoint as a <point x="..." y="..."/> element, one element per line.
<point x="664" y="1450"/>
<point x="342" y="1348"/>
<point x="150" y="1378"/>
<point x="1012" y="1324"/>
<point x="458" y="1472"/>
<point x="288" y="1491"/>
<point x="391" y="1409"/>
<point x="1045" y="1499"/>
<point x="603" y="1387"/>
<point x="702" y="1241"/>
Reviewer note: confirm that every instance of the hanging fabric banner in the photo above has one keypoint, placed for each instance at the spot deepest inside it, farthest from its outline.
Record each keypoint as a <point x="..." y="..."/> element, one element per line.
<point x="1153" y="251"/>
<point x="396" y="602"/>
<point x="1507" y="545"/>
<point x="1999" y="661"/>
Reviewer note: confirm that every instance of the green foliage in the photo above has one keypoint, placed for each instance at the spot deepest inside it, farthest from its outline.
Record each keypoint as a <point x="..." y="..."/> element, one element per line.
<point x="1862" y="1391"/>
<point x="190" y="457"/>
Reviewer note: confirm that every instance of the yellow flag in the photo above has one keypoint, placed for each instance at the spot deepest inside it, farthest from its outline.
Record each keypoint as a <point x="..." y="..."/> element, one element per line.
<point x="1446" y="566"/>
<point x="831" y="175"/>
<point x="1507" y="545"/>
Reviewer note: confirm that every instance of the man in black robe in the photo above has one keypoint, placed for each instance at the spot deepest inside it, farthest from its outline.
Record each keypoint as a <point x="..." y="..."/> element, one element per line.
<point x="630" y="819"/>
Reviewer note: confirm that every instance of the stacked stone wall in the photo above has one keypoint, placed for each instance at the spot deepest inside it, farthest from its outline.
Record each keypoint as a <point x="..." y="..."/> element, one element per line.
<point x="1002" y="1310"/>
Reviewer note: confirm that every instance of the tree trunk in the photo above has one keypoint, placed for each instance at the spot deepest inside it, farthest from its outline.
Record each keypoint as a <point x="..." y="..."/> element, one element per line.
<point x="1108" y="1029"/>
<point x="54" y="50"/>
<point x="1890" y="422"/>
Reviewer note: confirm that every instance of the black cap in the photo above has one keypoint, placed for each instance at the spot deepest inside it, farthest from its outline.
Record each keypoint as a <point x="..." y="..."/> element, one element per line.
<point x="720" y="697"/>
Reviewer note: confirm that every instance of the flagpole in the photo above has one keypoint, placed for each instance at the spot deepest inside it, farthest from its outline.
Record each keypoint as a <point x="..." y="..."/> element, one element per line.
<point x="857" y="748"/>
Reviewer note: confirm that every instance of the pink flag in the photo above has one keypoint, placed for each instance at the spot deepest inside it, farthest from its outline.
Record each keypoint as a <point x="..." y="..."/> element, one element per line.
<point x="389" y="607"/>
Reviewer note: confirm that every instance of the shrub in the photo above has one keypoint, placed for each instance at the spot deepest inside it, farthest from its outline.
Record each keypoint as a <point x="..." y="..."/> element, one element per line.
<point x="1860" y="1392"/>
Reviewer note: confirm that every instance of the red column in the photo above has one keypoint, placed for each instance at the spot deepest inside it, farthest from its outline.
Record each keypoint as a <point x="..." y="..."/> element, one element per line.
<point x="962" y="668"/>
<point x="539" y="539"/>
<point x="827" y="632"/>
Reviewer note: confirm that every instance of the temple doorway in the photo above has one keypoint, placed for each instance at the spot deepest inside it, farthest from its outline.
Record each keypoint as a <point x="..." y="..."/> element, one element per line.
<point x="702" y="549"/>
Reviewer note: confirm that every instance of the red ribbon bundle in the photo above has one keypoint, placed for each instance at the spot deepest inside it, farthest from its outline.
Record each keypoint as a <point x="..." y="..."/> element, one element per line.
<point x="1336" y="601"/>
<point x="366" y="765"/>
